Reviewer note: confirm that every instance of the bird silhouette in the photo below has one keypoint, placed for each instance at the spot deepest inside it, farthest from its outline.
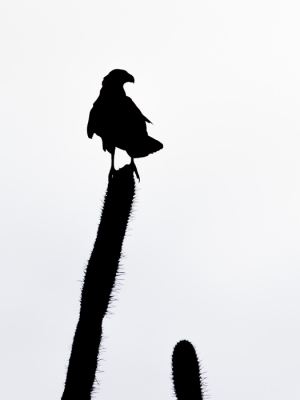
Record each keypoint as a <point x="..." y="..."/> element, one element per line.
<point x="119" y="122"/>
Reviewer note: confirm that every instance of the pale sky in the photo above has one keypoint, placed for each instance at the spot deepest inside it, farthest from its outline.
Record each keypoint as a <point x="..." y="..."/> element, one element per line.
<point x="212" y="254"/>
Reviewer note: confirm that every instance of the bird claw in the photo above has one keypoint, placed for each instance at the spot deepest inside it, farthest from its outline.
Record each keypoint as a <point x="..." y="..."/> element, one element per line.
<point x="111" y="173"/>
<point x="135" y="170"/>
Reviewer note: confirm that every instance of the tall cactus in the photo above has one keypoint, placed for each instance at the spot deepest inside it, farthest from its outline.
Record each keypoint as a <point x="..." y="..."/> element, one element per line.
<point x="187" y="379"/>
<point x="98" y="283"/>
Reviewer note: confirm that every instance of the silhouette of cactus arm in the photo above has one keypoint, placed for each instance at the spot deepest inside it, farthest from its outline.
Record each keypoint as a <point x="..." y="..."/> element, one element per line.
<point x="98" y="284"/>
<point x="187" y="380"/>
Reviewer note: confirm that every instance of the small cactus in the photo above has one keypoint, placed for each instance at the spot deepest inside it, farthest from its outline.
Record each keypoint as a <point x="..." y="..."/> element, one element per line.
<point x="187" y="379"/>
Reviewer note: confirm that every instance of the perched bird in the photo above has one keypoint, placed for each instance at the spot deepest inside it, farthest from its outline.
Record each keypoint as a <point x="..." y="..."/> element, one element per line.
<point x="118" y="121"/>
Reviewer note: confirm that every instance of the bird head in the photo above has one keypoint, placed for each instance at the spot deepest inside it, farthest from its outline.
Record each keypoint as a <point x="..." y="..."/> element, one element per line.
<point x="117" y="77"/>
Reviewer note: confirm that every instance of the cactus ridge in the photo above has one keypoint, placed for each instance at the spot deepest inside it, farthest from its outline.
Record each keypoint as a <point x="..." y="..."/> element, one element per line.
<point x="186" y="371"/>
<point x="98" y="285"/>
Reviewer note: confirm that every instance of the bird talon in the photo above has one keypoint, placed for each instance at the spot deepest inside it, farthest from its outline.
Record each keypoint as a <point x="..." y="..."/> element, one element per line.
<point x="111" y="173"/>
<point x="137" y="175"/>
<point x="135" y="170"/>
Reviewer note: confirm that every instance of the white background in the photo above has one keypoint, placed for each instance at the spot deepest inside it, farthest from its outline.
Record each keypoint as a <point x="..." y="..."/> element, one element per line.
<point x="212" y="254"/>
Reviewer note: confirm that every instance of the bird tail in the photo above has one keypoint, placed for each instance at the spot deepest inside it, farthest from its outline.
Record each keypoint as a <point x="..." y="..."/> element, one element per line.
<point x="154" y="145"/>
<point x="143" y="148"/>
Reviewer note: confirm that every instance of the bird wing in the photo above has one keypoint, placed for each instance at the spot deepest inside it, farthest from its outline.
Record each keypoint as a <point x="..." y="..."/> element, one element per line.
<point x="91" y="124"/>
<point x="146" y="119"/>
<point x="133" y="111"/>
<point x="117" y="120"/>
<point x="98" y="118"/>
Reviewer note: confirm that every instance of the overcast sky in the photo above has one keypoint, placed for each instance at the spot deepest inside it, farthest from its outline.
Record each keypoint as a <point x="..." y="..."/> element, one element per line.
<point x="212" y="254"/>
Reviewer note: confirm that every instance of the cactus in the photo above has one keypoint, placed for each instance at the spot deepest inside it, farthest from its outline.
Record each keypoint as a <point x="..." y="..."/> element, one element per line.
<point x="98" y="284"/>
<point x="187" y="380"/>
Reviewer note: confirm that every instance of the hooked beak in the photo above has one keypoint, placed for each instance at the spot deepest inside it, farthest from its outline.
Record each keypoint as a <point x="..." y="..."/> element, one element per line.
<point x="130" y="78"/>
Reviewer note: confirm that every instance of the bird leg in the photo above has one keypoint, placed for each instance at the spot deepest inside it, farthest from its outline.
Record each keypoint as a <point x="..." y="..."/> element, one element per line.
<point x="112" y="168"/>
<point x="135" y="169"/>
